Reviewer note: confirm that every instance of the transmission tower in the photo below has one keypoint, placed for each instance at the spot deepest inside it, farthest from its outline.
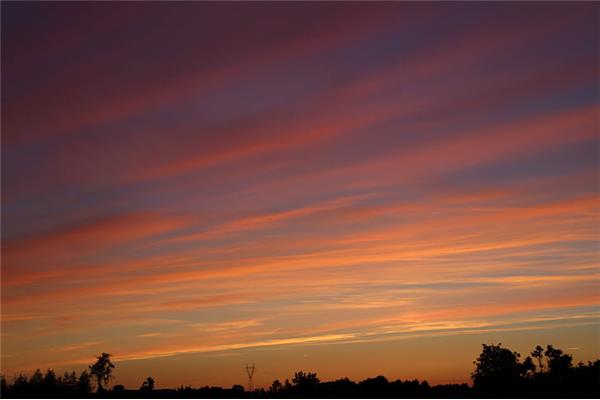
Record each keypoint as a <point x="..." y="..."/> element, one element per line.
<point x="250" y="371"/>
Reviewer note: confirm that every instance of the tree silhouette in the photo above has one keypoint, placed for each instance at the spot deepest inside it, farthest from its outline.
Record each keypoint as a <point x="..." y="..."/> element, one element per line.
<point x="498" y="370"/>
<point x="84" y="384"/>
<point x="21" y="383"/>
<point x="147" y="385"/>
<point x="558" y="362"/>
<point x="118" y="390"/>
<point x="68" y="382"/>
<point x="50" y="384"/>
<point x="102" y="370"/>
<point x="528" y="367"/>
<point x="538" y="354"/>
<point x="276" y="386"/>
<point x="3" y="385"/>
<point x="305" y="379"/>
<point x="36" y="379"/>
<point x="50" y="378"/>
<point x="305" y="383"/>
<point x="238" y="389"/>
<point x="377" y="386"/>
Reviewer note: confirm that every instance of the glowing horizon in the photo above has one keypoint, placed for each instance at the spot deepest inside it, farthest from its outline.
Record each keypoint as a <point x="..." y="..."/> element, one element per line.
<point x="194" y="186"/>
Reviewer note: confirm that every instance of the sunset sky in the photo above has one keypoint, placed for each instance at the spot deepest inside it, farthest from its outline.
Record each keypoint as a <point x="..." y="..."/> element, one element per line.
<point x="349" y="188"/>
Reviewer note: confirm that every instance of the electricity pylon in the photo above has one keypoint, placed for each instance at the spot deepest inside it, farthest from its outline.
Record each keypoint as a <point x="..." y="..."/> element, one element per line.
<point x="250" y="371"/>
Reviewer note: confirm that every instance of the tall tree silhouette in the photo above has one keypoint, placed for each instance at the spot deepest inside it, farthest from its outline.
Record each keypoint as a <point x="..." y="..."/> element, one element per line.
<point x="102" y="370"/>
<point x="50" y="384"/>
<point x="538" y="354"/>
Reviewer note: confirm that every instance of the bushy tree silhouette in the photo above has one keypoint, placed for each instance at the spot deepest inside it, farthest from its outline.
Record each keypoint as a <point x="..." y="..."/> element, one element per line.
<point x="377" y="386"/>
<point x="498" y="370"/>
<point x="102" y="370"/>
<point x="276" y="386"/>
<point x="119" y="391"/>
<point x="305" y="383"/>
<point x="305" y="379"/>
<point x="238" y="389"/>
<point x="558" y="362"/>
<point x="147" y="385"/>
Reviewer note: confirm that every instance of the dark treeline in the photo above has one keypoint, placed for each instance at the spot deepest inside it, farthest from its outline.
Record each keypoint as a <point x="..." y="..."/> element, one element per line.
<point x="499" y="372"/>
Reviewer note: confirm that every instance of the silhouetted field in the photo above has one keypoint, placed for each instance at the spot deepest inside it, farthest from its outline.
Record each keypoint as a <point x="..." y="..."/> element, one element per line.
<point x="499" y="372"/>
